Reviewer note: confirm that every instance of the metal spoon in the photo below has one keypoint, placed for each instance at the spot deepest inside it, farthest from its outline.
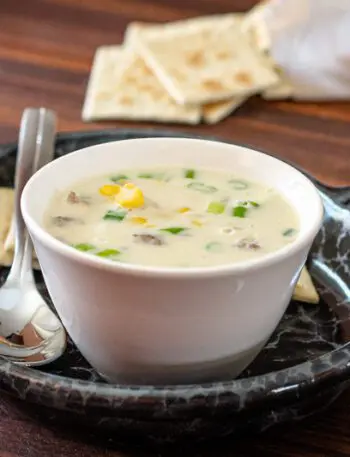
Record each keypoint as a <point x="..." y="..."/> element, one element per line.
<point x="30" y="332"/>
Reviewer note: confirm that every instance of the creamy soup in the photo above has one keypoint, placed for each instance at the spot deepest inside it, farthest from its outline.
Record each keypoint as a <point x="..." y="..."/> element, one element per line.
<point x="172" y="217"/>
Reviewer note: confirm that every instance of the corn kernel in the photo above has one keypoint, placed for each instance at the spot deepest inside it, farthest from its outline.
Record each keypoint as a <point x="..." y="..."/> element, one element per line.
<point x="138" y="220"/>
<point x="130" y="196"/>
<point x="129" y="185"/>
<point x="197" y="223"/>
<point x="109" y="190"/>
<point x="184" y="210"/>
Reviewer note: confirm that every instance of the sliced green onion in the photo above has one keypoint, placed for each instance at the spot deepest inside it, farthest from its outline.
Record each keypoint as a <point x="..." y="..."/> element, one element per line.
<point x="239" y="211"/>
<point x="216" y="207"/>
<point x="213" y="246"/>
<point x="190" y="174"/>
<point x="238" y="185"/>
<point x="118" y="178"/>
<point x="202" y="187"/>
<point x="151" y="175"/>
<point x="146" y="176"/>
<point x="117" y="215"/>
<point x="108" y="253"/>
<point x="84" y="247"/>
<point x="174" y="230"/>
<point x="289" y="232"/>
<point x="250" y="203"/>
<point x="255" y="204"/>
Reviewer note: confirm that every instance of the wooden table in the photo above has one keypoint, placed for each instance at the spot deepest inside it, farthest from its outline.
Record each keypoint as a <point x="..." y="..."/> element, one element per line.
<point x="46" y="48"/>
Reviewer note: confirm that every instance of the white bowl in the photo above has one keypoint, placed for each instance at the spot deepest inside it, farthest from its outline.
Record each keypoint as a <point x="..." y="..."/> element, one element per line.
<point x="138" y="324"/>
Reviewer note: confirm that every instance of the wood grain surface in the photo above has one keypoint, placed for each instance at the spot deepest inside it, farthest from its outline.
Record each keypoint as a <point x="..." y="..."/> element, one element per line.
<point x="46" y="49"/>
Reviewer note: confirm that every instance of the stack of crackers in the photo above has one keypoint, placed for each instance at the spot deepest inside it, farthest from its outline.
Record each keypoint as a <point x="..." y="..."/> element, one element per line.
<point x="188" y="71"/>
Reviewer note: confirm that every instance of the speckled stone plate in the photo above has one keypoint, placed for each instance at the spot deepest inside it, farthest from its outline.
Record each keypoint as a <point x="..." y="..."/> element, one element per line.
<point x="304" y="366"/>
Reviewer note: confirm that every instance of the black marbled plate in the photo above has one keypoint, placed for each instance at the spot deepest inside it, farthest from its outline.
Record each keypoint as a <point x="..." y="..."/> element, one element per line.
<point x="305" y="365"/>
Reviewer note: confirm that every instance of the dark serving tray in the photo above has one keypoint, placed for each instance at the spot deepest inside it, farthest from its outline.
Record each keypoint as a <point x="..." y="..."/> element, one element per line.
<point x="304" y="366"/>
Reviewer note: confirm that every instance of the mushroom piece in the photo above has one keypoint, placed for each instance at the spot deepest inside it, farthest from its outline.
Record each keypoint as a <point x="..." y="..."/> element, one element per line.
<point x="74" y="198"/>
<point x="147" y="238"/>
<point x="248" y="243"/>
<point x="62" y="221"/>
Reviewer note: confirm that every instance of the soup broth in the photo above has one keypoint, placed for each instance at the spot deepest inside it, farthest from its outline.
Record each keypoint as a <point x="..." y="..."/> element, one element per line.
<point x="172" y="217"/>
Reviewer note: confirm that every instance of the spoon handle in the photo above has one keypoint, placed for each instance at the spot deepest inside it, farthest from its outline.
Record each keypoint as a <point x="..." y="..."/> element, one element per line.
<point x="24" y="166"/>
<point x="44" y="153"/>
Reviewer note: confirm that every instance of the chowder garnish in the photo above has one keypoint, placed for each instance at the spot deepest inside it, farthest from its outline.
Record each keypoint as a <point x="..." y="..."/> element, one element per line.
<point x="172" y="217"/>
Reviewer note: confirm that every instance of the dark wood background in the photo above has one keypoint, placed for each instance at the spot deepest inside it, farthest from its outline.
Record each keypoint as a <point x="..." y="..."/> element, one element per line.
<point x="46" y="49"/>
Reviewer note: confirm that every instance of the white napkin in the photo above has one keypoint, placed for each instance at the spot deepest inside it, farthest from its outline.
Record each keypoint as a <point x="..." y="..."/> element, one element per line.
<point x="310" y="41"/>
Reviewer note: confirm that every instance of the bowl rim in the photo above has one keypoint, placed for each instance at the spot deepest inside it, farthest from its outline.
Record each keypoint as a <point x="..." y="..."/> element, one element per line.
<point x="272" y="258"/>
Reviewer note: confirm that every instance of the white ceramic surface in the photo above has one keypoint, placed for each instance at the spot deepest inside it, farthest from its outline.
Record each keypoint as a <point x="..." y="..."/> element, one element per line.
<point x="156" y="325"/>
